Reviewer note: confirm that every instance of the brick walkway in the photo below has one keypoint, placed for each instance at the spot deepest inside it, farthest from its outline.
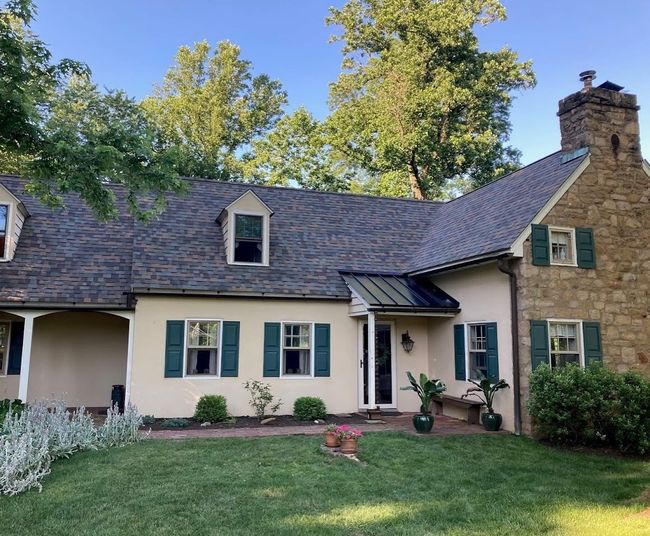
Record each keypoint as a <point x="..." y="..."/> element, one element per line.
<point x="443" y="426"/>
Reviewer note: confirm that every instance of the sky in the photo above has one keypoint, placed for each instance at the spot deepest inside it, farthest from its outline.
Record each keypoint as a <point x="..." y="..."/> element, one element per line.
<point x="130" y="44"/>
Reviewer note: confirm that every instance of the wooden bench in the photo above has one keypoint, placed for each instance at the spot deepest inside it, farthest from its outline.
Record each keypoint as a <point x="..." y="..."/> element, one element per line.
<point x="473" y="407"/>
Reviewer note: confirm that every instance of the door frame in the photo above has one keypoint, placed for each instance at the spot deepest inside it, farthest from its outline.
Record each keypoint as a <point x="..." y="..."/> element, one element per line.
<point x="393" y="363"/>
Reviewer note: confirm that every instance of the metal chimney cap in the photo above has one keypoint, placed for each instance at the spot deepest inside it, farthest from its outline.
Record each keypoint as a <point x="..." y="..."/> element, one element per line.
<point x="586" y="77"/>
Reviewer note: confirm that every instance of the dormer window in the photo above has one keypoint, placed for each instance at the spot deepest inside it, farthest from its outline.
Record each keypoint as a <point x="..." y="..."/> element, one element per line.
<point x="249" y="238"/>
<point x="4" y="219"/>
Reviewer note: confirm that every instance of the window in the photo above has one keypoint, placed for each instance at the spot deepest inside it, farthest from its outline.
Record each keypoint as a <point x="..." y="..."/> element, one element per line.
<point x="249" y="238"/>
<point x="477" y="351"/>
<point x="562" y="246"/>
<point x="296" y="349"/>
<point x="4" y="345"/>
<point x="564" y="343"/>
<point x="202" y="347"/>
<point x="4" y="218"/>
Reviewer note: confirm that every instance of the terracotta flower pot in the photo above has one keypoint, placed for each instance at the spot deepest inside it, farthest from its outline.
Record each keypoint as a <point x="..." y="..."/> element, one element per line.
<point x="331" y="440"/>
<point x="349" y="446"/>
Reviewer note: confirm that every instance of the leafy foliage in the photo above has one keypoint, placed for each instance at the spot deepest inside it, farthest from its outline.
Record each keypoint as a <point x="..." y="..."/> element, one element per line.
<point x="426" y="390"/>
<point x="592" y="407"/>
<point x="7" y="405"/>
<point x="309" y="408"/>
<point x="484" y="390"/>
<point x="261" y="398"/>
<point x="211" y="408"/>
<point x="417" y="102"/>
<point x="175" y="423"/>
<point x="210" y="107"/>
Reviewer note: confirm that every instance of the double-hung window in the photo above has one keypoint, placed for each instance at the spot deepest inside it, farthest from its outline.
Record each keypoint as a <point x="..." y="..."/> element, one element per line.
<point x="297" y="349"/>
<point x="477" y="350"/>
<point x="202" y="347"/>
<point x="564" y="343"/>
<point x="4" y="222"/>
<point x="562" y="246"/>
<point x="249" y="238"/>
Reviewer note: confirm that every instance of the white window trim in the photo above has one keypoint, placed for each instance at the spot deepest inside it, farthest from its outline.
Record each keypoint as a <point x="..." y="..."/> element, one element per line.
<point x="581" y="345"/>
<point x="219" y="350"/>
<point x="8" y="233"/>
<point x="265" y="237"/>
<point x="574" y="249"/>
<point x="5" y="365"/>
<point x="309" y="376"/>
<point x="467" y="363"/>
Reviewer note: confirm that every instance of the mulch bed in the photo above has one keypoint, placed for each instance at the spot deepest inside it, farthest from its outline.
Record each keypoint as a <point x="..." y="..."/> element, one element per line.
<point x="254" y="422"/>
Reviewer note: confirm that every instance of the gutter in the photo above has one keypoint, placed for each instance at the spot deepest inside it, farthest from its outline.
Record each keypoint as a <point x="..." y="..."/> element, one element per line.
<point x="505" y="266"/>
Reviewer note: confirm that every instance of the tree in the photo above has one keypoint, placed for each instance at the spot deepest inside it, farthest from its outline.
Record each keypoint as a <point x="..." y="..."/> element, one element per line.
<point x="212" y="108"/>
<point x="296" y="153"/>
<point x="417" y="101"/>
<point x="64" y="135"/>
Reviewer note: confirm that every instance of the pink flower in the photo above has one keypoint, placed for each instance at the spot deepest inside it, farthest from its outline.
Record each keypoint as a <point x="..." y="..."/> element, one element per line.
<point x="346" y="432"/>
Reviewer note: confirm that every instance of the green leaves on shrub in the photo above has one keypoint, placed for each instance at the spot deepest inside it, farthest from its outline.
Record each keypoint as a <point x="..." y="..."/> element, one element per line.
<point x="592" y="407"/>
<point x="309" y="408"/>
<point x="175" y="423"/>
<point x="211" y="408"/>
<point x="16" y="407"/>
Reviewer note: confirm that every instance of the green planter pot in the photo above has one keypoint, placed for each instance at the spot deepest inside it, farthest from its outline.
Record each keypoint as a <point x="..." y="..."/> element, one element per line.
<point x="491" y="421"/>
<point x="423" y="423"/>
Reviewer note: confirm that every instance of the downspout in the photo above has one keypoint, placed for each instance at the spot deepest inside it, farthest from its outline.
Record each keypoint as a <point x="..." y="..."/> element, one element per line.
<point x="504" y="266"/>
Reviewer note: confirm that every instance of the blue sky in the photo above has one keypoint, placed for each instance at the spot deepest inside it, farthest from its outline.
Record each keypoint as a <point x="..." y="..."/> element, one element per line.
<point x="129" y="44"/>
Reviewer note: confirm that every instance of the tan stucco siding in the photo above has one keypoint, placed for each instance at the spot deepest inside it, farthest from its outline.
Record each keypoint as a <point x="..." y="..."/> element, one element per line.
<point x="484" y="296"/>
<point x="177" y="397"/>
<point x="77" y="357"/>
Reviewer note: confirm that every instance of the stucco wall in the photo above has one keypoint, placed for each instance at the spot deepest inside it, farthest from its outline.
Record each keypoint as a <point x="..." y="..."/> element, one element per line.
<point x="177" y="397"/>
<point x="8" y="384"/>
<point x="484" y="296"/>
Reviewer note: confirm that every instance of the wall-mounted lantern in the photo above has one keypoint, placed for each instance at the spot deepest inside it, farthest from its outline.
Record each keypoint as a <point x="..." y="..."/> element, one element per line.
<point x="407" y="342"/>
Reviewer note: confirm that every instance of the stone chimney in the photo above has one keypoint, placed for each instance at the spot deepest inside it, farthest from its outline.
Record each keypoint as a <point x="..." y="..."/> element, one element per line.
<point x="602" y="119"/>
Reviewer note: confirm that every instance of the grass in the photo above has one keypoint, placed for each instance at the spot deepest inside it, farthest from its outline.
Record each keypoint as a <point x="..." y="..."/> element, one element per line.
<point x="483" y="484"/>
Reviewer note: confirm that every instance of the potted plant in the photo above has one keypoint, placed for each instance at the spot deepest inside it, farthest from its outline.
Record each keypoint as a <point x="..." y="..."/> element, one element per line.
<point x="331" y="439"/>
<point x="426" y="390"/>
<point x="484" y="390"/>
<point x="349" y="438"/>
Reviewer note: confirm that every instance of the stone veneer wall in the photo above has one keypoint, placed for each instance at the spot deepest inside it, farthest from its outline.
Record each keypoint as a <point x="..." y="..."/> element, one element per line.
<point x="611" y="196"/>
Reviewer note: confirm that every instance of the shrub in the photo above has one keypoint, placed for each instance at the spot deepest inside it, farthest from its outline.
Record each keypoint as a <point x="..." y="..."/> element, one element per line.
<point x="148" y="420"/>
<point x="175" y="423"/>
<point x="592" y="407"/>
<point x="309" y="408"/>
<point x="211" y="408"/>
<point x="120" y="429"/>
<point x="15" y="405"/>
<point x="261" y="398"/>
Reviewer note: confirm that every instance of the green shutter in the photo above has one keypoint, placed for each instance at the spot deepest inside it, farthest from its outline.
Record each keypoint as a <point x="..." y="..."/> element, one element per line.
<point x="174" y="348"/>
<point x="15" y="347"/>
<point x="459" y="351"/>
<point x="593" y="346"/>
<point x="539" y="342"/>
<point x="585" y="248"/>
<point x="230" y="349"/>
<point x="492" y="351"/>
<point x="322" y="350"/>
<point x="540" y="245"/>
<point x="272" y="349"/>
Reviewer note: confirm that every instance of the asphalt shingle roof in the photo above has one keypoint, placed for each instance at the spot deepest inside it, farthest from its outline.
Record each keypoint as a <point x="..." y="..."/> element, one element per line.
<point x="68" y="257"/>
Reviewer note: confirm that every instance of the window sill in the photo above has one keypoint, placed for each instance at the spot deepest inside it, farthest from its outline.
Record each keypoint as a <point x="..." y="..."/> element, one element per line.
<point x="565" y="264"/>
<point x="239" y="263"/>
<point x="201" y="377"/>
<point x="296" y="377"/>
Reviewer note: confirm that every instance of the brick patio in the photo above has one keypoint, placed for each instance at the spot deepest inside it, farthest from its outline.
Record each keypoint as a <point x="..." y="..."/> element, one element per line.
<point x="443" y="426"/>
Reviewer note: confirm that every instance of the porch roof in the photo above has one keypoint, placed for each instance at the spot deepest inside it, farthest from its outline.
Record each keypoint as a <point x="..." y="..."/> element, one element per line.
<point x="399" y="294"/>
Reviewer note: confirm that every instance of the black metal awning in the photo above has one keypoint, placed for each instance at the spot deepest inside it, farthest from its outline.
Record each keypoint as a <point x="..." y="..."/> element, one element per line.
<point x="392" y="293"/>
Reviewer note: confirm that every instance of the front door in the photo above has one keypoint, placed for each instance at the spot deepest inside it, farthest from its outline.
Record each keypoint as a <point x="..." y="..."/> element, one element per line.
<point x="385" y="396"/>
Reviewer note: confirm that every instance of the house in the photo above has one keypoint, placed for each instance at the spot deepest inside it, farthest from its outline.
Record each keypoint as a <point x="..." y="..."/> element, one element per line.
<point x="310" y="291"/>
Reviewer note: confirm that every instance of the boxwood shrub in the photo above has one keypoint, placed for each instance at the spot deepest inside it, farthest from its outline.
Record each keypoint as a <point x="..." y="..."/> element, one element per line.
<point x="211" y="408"/>
<point x="309" y="408"/>
<point x="592" y="407"/>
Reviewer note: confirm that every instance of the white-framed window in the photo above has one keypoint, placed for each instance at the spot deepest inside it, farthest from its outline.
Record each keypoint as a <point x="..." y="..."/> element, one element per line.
<point x="563" y="246"/>
<point x="476" y="351"/>
<point x="4" y="232"/>
<point x="297" y="349"/>
<point x="202" y="347"/>
<point x="565" y="342"/>
<point x="249" y="238"/>
<point x="5" y="330"/>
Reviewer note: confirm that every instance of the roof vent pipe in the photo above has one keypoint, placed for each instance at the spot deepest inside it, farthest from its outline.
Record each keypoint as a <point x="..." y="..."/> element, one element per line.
<point x="587" y="77"/>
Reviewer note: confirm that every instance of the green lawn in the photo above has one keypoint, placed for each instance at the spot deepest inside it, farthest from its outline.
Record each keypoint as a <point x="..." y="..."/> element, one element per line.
<point x="483" y="484"/>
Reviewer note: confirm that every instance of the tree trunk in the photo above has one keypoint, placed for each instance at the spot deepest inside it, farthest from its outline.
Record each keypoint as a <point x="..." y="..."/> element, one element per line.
<point x="414" y="178"/>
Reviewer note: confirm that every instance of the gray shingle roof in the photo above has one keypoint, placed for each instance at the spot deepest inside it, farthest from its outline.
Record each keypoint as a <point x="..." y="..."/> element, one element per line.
<point x="67" y="256"/>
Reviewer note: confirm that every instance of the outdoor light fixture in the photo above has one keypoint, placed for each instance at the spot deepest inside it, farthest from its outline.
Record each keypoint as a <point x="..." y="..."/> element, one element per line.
<point x="407" y="342"/>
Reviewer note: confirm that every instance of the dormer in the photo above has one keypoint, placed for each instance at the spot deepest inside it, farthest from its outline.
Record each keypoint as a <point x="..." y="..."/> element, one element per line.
<point x="246" y="230"/>
<point x="12" y="216"/>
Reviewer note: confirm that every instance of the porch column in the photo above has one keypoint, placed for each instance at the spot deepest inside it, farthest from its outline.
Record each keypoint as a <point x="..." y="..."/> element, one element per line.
<point x="372" y="339"/>
<point x="27" y="356"/>
<point x="129" y="360"/>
